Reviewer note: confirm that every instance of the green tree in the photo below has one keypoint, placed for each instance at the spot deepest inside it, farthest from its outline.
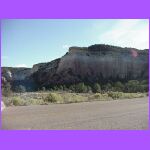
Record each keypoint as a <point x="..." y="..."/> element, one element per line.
<point x="118" y="86"/>
<point x="143" y="82"/>
<point x="132" y="86"/>
<point x="143" y="88"/>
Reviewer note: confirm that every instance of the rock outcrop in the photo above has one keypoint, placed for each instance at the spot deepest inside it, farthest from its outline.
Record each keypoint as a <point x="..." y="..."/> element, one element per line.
<point x="96" y="63"/>
<point x="10" y="73"/>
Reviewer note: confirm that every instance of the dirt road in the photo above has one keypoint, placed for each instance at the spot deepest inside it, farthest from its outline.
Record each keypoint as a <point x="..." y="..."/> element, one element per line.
<point x="118" y="114"/>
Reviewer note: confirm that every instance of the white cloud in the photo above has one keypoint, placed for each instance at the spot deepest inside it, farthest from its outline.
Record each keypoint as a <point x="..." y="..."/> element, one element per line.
<point x="21" y="65"/>
<point x="65" y="46"/>
<point x="128" y="33"/>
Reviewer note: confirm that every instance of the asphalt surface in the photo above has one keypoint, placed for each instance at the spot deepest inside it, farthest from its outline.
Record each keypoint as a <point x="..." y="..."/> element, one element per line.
<point x="99" y="115"/>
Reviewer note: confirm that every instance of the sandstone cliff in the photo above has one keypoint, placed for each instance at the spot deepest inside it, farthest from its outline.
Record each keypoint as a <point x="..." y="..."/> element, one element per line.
<point x="96" y="63"/>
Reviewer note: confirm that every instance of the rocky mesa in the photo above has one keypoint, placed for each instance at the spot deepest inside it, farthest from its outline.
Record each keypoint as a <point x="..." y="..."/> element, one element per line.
<point x="96" y="63"/>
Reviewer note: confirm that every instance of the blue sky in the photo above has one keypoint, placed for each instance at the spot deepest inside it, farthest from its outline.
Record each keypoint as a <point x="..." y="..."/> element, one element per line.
<point x="29" y="41"/>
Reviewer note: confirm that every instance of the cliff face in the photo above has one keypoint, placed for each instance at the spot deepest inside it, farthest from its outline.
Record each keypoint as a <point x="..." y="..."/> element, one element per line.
<point x="17" y="76"/>
<point x="96" y="63"/>
<point x="15" y="73"/>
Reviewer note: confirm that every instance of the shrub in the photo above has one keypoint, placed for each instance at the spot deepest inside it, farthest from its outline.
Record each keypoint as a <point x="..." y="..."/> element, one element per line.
<point x="143" y="88"/>
<point x="53" y="98"/>
<point x="89" y="89"/>
<point x="118" y="86"/>
<point x="115" y="95"/>
<point x="107" y="87"/>
<point x="43" y="89"/>
<point x="17" y="101"/>
<point x="80" y="88"/>
<point x="6" y="90"/>
<point x="97" y="95"/>
<point x="121" y="95"/>
<point x="61" y="87"/>
<point x="72" y="88"/>
<point x="96" y="88"/>
<point x="132" y="86"/>
<point x="20" y="89"/>
<point x="56" y="88"/>
<point x="73" y="98"/>
<point x="33" y="101"/>
<point x="144" y="82"/>
<point x="65" y="88"/>
<point x="133" y="95"/>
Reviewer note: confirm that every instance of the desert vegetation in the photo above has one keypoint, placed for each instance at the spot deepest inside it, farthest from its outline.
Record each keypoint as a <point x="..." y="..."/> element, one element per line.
<point x="45" y="98"/>
<point x="74" y="93"/>
<point x="132" y="86"/>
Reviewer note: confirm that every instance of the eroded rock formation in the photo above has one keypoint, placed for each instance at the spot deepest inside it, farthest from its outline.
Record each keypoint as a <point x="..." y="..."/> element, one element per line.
<point x="96" y="63"/>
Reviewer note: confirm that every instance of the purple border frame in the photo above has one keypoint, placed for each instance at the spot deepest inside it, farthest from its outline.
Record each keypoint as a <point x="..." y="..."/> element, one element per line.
<point x="63" y="139"/>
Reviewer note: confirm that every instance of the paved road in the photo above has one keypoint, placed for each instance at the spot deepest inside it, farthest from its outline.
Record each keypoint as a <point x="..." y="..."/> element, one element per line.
<point x="118" y="114"/>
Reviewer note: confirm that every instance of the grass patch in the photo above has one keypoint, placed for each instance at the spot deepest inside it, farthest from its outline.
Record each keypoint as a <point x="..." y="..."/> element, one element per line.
<point x="74" y="98"/>
<point x="17" y="101"/>
<point x="115" y="95"/>
<point x="65" y="98"/>
<point x="33" y="101"/>
<point x="99" y="97"/>
<point x="61" y="98"/>
<point x="53" y="98"/>
<point x="121" y="95"/>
